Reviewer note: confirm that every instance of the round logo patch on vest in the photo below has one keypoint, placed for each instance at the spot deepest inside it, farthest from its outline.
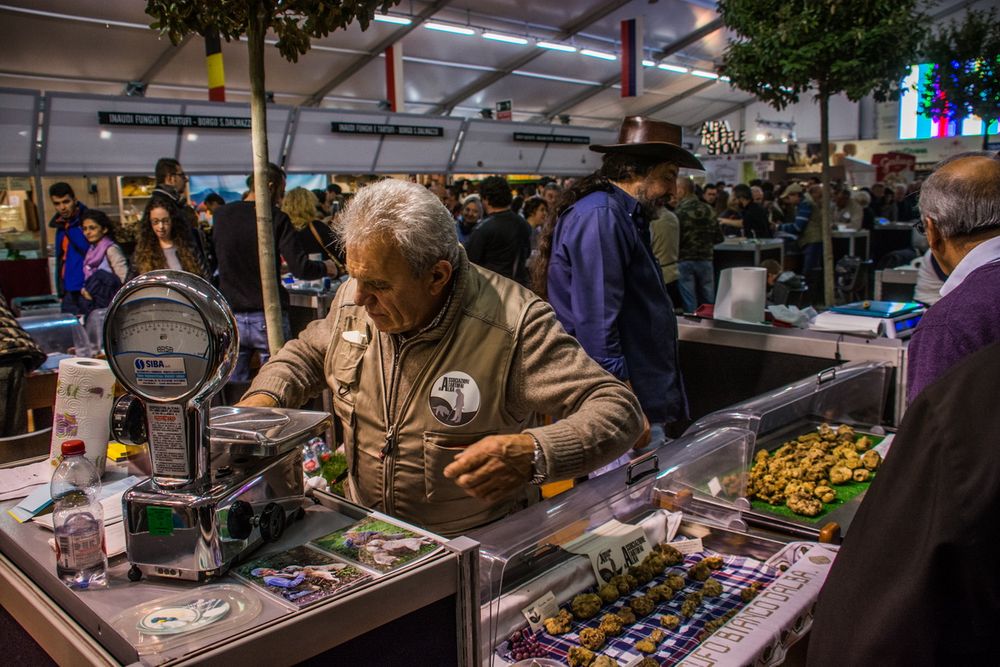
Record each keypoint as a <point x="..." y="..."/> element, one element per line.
<point x="454" y="399"/>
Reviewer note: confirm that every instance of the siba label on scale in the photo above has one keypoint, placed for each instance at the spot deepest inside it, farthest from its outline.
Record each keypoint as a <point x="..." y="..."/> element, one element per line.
<point x="160" y="372"/>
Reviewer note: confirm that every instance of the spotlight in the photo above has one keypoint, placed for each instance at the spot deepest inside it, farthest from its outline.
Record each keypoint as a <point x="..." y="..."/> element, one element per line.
<point x="135" y="89"/>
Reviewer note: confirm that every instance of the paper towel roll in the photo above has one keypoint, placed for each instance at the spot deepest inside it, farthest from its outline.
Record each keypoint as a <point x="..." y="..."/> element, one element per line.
<point x="742" y="294"/>
<point x="84" y="394"/>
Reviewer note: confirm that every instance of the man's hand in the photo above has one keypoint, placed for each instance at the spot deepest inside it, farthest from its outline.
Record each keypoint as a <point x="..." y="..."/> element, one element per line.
<point x="494" y="467"/>
<point x="257" y="401"/>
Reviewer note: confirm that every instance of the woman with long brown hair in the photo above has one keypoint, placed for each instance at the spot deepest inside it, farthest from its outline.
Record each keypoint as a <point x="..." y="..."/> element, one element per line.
<point x="164" y="242"/>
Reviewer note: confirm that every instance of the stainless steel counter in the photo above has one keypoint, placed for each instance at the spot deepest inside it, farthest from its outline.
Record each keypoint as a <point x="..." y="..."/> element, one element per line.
<point x="74" y="626"/>
<point x="750" y="359"/>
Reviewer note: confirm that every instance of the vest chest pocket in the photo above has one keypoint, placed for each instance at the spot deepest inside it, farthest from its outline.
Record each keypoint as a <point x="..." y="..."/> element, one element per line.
<point x="440" y="449"/>
<point x="346" y="373"/>
<point x="347" y="368"/>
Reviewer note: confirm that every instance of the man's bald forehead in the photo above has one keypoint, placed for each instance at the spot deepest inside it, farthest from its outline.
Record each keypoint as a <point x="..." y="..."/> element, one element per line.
<point x="974" y="166"/>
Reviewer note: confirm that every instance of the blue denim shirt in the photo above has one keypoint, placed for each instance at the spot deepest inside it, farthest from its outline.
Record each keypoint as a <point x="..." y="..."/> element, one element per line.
<point x="606" y="289"/>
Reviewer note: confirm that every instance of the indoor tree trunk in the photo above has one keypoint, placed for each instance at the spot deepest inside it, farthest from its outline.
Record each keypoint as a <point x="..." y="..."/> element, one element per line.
<point x="265" y="226"/>
<point x="824" y="134"/>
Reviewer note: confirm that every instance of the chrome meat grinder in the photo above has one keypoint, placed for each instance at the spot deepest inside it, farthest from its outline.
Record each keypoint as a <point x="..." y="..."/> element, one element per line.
<point x="224" y="480"/>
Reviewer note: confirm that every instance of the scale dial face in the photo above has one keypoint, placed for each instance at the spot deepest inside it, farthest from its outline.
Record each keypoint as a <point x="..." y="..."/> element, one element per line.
<point x="160" y="343"/>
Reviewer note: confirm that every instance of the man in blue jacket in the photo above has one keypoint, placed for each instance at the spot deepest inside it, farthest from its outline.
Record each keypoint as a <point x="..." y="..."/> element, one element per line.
<point x="597" y="268"/>
<point x="71" y="246"/>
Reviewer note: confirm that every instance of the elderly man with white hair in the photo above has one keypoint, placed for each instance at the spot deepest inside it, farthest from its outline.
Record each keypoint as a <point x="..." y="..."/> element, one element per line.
<point x="960" y="213"/>
<point x="438" y="369"/>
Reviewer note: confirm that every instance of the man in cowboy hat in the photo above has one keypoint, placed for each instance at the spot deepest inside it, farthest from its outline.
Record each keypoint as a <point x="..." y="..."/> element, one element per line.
<point x="599" y="273"/>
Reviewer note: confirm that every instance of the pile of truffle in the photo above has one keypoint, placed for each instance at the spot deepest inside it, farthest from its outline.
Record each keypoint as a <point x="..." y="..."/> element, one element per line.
<point x="801" y="473"/>
<point x="612" y="624"/>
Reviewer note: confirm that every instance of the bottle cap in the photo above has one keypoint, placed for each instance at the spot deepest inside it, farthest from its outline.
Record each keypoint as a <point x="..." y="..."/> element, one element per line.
<point x="73" y="447"/>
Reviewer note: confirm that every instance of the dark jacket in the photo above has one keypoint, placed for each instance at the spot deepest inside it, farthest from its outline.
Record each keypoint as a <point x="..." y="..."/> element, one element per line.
<point x="755" y="222"/>
<point x="502" y="244"/>
<point x="915" y="583"/>
<point x="239" y="269"/>
<point x="71" y="248"/>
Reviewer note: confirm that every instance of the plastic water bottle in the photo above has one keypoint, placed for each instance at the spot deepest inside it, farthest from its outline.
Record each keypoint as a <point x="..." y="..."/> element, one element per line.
<point x="78" y="520"/>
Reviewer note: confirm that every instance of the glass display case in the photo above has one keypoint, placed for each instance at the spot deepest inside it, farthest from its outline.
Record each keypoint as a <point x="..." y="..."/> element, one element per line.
<point x="853" y="395"/>
<point x="619" y="567"/>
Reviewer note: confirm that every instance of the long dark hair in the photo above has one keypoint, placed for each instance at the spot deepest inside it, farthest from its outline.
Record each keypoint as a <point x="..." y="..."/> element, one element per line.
<point x="616" y="168"/>
<point x="148" y="255"/>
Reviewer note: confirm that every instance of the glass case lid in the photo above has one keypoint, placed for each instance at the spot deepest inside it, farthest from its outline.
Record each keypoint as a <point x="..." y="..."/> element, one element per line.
<point x="711" y="463"/>
<point x="854" y="393"/>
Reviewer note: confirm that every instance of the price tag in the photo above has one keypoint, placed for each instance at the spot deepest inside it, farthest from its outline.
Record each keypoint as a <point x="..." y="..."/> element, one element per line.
<point x="542" y="608"/>
<point x="160" y="520"/>
<point x="688" y="546"/>
<point x="714" y="486"/>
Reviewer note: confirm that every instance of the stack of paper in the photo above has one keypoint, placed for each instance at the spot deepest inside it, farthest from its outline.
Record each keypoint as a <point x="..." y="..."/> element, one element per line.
<point x="856" y="324"/>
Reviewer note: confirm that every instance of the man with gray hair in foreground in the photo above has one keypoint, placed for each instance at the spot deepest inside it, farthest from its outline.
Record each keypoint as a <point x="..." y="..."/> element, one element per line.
<point x="438" y="369"/>
<point x="960" y="213"/>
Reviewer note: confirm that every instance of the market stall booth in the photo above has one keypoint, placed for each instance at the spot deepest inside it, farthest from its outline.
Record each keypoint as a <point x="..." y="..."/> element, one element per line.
<point x="685" y="556"/>
<point x="648" y="561"/>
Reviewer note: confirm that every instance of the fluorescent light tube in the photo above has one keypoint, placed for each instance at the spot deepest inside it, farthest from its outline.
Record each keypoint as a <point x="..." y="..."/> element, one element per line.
<point x="507" y="39"/>
<point x="673" y="68"/>
<point x="454" y="29"/>
<point x="703" y="74"/>
<point x="598" y="54"/>
<point x="555" y="46"/>
<point x="389" y="18"/>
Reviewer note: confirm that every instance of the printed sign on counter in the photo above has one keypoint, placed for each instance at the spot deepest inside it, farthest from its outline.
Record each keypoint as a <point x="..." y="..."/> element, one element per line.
<point x="612" y="548"/>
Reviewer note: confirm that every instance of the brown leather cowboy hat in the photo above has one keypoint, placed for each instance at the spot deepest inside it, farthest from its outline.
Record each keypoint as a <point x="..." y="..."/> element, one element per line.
<point x="652" y="138"/>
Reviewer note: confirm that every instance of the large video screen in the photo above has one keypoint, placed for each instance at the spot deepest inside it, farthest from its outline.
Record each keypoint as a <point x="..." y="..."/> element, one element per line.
<point x="231" y="187"/>
<point x="913" y="125"/>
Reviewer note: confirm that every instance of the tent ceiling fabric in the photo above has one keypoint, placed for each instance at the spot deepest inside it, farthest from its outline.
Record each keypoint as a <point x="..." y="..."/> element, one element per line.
<point x="98" y="46"/>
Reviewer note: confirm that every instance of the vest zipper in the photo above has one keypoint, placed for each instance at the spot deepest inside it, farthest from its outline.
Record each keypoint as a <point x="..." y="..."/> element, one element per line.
<point x="388" y="449"/>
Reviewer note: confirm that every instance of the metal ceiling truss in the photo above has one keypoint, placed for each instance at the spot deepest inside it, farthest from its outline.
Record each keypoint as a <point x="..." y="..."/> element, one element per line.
<point x="569" y="30"/>
<point x="687" y="40"/>
<point x="376" y="51"/>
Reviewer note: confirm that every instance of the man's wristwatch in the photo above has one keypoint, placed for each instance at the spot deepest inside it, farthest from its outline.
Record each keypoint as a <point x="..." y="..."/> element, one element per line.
<point x="538" y="469"/>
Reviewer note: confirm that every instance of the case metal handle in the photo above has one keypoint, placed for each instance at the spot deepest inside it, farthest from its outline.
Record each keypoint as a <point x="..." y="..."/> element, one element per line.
<point x="644" y="466"/>
<point x="827" y="375"/>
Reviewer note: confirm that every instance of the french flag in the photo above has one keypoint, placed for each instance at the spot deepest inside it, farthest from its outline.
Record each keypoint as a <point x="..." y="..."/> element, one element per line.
<point x="632" y="57"/>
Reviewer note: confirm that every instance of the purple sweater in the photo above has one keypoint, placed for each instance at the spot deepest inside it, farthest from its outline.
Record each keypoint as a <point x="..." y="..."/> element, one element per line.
<point x="964" y="321"/>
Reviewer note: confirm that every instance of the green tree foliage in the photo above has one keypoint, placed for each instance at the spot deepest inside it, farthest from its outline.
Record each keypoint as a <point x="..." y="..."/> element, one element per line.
<point x="966" y="61"/>
<point x="295" y="23"/>
<point x="783" y="49"/>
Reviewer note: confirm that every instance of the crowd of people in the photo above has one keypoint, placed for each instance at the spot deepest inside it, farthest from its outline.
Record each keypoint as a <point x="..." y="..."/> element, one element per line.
<point x="506" y="228"/>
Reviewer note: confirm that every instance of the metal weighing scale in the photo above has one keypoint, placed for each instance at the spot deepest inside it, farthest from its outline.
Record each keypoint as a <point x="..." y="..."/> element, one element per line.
<point x="898" y="318"/>
<point x="889" y="319"/>
<point x="224" y="480"/>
